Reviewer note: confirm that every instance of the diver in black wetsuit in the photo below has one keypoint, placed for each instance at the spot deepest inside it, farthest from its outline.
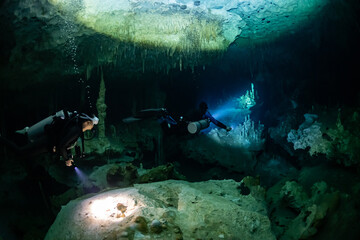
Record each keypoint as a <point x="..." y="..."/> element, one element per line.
<point x="203" y="113"/>
<point x="56" y="134"/>
<point x="201" y="119"/>
<point x="161" y="114"/>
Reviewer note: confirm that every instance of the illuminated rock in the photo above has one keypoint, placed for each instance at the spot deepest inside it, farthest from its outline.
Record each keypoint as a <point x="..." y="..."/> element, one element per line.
<point x="211" y="25"/>
<point x="151" y="35"/>
<point x="246" y="135"/>
<point x="183" y="210"/>
<point x="247" y="100"/>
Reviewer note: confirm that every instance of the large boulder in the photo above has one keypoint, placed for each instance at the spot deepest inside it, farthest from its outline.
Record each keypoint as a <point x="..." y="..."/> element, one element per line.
<point x="165" y="210"/>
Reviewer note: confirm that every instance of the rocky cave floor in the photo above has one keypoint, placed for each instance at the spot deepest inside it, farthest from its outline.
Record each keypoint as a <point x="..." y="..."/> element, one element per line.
<point x="33" y="190"/>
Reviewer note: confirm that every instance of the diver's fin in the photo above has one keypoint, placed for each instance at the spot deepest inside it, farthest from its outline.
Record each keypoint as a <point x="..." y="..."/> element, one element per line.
<point x="23" y="131"/>
<point x="130" y="119"/>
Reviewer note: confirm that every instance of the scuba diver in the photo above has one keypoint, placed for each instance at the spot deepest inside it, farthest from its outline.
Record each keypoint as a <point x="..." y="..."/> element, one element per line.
<point x="55" y="134"/>
<point x="161" y="114"/>
<point x="202" y="119"/>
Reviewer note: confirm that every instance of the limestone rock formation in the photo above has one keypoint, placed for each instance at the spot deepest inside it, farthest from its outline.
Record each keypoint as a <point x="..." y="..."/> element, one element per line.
<point x="137" y="35"/>
<point x="307" y="213"/>
<point x="165" y="210"/>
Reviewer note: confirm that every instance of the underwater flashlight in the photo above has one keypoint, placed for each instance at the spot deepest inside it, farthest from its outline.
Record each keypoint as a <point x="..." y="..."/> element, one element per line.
<point x="195" y="127"/>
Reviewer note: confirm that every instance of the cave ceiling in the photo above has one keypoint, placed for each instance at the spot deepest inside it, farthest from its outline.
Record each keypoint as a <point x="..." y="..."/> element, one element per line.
<point x="49" y="39"/>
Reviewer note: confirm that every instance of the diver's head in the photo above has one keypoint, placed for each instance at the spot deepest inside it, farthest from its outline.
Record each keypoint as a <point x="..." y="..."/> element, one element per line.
<point x="203" y="107"/>
<point x="88" y="122"/>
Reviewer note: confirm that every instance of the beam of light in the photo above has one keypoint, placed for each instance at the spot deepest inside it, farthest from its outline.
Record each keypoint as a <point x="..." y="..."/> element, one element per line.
<point x="102" y="209"/>
<point x="81" y="175"/>
<point x="227" y="108"/>
<point x="108" y="207"/>
<point x="113" y="207"/>
<point x="83" y="178"/>
<point x="229" y="113"/>
<point x="235" y="112"/>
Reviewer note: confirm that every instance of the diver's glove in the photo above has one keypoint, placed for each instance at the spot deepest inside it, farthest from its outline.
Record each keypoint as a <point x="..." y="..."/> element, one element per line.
<point x="69" y="162"/>
<point x="164" y="112"/>
<point x="228" y="129"/>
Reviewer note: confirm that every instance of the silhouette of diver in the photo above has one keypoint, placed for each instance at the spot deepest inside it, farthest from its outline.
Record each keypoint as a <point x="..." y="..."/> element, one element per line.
<point x="202" y="119"/>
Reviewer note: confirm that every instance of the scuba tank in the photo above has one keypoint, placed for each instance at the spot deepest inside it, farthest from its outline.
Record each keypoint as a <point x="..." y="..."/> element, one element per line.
<point x="37" y="130"/>
<point x="195" y="127"/>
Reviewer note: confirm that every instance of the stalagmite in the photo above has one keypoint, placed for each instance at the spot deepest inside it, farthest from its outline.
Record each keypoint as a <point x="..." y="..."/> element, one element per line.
<point x="101" y="108"/>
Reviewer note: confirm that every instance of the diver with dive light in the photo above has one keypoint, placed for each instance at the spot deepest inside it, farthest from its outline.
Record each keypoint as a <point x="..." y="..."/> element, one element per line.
<point x="205" y="119"/>
<point x="201" y="120"/>
<point x="56" y="134"/>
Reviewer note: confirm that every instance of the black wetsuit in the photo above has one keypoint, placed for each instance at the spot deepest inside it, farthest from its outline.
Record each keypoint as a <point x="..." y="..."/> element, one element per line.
<point x="61" y="136"/>
<point x="67" y="137"/>
<point x="207" y="115"/>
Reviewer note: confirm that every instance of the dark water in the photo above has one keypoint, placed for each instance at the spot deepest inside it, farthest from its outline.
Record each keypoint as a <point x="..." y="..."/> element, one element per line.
<point x="317" y="67"/>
